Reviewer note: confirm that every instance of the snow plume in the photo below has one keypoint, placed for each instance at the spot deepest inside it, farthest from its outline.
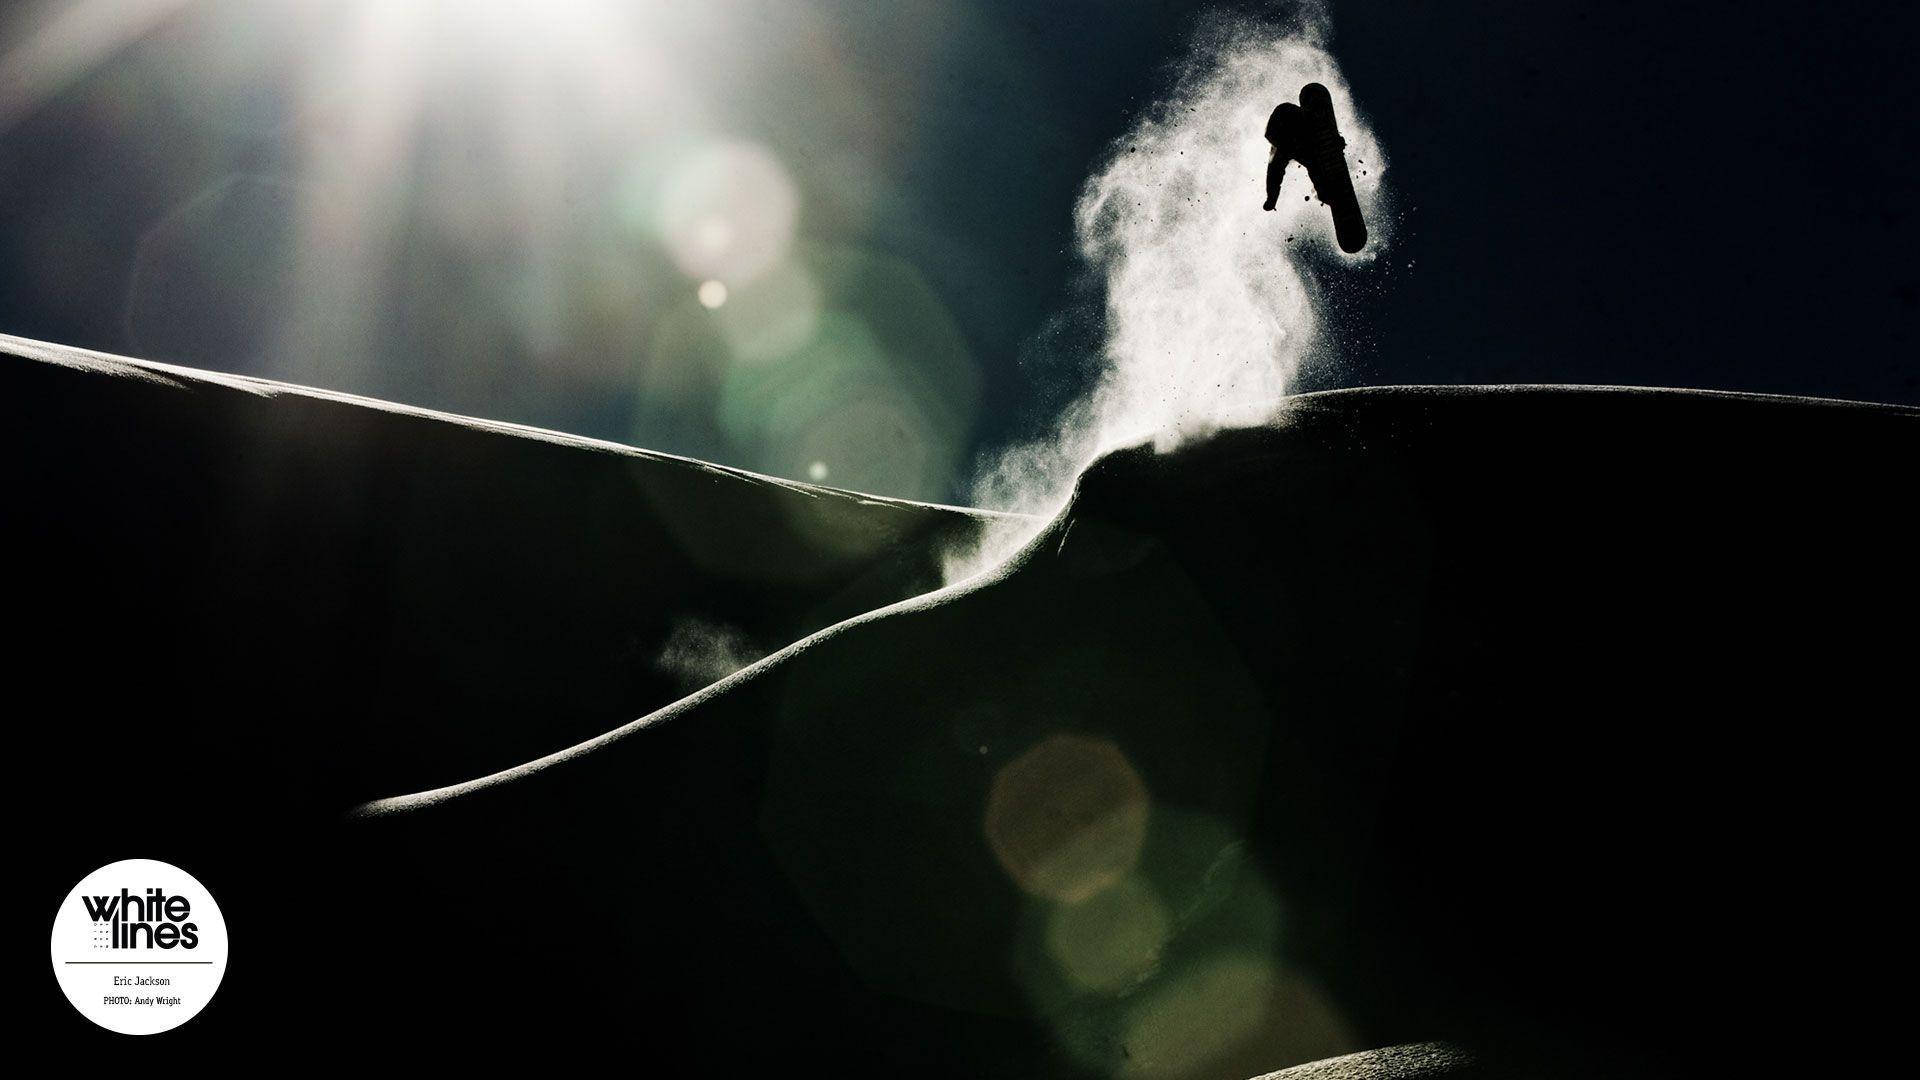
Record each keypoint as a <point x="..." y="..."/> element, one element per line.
<point x="699" y="652"/>
<point x="1207" y="313"/>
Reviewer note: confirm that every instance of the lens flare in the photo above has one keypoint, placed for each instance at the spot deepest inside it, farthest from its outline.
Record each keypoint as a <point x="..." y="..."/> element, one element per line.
<point x="1232" y="1014"/>
<point x="1112" y="939"/>
<point x="728" y="211"/>
<point x="841" y="356"/>
<point x="1066" y="819"/>
<point x="774" y="315"/>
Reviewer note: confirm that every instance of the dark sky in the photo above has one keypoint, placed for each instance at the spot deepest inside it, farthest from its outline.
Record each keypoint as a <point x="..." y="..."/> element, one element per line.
<point x="1674" y="194"/>
<point x="1713" y="195"/>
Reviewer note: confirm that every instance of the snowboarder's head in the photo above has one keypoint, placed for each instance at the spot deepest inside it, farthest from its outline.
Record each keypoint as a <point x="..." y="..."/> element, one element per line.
<point x="1315" y="96"/>
<point x="1285" y="119"/>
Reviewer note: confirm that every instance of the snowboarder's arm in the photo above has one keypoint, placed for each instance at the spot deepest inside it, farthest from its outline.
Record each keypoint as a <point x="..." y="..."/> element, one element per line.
<point x="1282" y="134"/>
<point x="1276" y="171"/>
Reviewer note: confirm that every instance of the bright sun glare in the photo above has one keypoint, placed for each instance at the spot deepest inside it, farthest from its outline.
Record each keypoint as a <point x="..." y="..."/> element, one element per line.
<point x="597" y="198"/>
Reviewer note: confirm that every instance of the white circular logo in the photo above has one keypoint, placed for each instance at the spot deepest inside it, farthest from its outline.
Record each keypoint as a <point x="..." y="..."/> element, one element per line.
<point x="139" y="946"/>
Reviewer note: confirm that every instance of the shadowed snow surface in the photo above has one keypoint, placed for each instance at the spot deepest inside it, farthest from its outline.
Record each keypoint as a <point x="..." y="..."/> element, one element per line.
<point x="1548" y="721"/>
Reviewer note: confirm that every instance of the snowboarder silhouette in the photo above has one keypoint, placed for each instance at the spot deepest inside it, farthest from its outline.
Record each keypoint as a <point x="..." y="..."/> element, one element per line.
<point x="1307" y="134"/>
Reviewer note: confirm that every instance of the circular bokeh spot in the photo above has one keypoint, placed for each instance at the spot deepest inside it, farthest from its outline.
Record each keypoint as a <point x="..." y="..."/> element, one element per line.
<point x="1066" y="819"/>
<point x="1110" y="940"/>
<point x="728" y="212"/>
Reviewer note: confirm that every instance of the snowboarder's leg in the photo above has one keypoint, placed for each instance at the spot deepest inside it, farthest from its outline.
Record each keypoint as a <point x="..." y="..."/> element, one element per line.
<point x="1276" y="170"/>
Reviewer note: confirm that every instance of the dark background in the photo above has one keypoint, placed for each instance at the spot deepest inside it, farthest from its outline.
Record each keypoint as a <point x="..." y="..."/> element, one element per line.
<point x="1673" y="194"/>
